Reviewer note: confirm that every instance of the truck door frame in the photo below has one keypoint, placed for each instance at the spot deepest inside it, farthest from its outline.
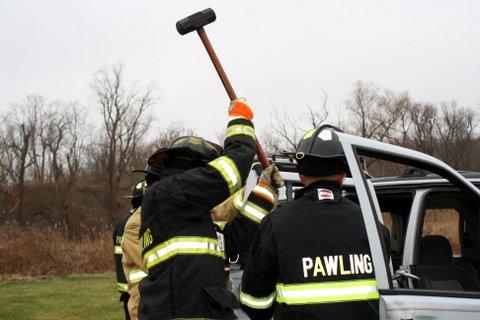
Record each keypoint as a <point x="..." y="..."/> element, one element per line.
<point x="354" y="147"/>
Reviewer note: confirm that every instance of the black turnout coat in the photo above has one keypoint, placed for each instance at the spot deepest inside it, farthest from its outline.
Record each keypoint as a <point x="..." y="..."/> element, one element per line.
<point x="311" y="259"/>
<point x="181" y="249"/>
<point x="118" y="253"/>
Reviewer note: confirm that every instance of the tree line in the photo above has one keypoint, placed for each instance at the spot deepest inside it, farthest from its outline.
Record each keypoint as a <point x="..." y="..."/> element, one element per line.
<point x="446" y="131"/>
<point x="60" y="167"/>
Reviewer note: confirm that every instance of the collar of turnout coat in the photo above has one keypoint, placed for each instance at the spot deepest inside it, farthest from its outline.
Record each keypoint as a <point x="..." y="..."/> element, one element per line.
<point x="325" y="191"/>
<point x="168" y="172"/>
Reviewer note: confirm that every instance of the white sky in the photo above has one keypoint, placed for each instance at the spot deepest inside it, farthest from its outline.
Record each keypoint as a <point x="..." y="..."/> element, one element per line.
<point x="278" y="54"/>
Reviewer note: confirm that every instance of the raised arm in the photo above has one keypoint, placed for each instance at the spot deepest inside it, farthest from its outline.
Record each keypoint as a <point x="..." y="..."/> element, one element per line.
<point x="210" y="185"/>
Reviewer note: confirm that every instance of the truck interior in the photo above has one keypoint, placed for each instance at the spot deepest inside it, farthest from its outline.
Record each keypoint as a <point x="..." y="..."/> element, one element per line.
<point x="448" y="245"/>
<point x="395" y="206"/>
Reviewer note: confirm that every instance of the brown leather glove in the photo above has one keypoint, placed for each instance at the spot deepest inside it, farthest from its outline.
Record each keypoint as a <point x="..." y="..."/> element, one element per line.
<point x="225" y="211"/>
<point x="272" y="176"/>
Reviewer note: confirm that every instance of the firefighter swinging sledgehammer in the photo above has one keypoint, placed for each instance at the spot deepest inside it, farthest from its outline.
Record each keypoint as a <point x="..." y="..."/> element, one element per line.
<point x="180" y="247"/>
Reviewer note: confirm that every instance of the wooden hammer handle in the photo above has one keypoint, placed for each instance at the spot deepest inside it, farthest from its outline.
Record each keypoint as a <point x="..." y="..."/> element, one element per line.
<point x="228" y="87"/>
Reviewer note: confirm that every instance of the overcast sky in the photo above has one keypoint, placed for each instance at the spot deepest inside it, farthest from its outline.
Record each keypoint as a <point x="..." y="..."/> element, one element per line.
<point x="278" y="54"/>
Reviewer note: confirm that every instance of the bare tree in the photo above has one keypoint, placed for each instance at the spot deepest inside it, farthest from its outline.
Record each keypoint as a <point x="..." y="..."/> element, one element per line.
<point x="53" y="139"/>
<point x="164" y="137"/>
<point x="272" y="144"/>
<point x="125" y="121"/>
<point x="286" y="129"/>
<point x="361" y="105"/>
<point x="380" y="115"/>
<point x="375" y="114"/>
<point x="75" y="141"/>
<point x="422" y="136"/>
<point x="456" y="134"/>
<point x="171" y="132"/>
<point x="20" y="129"/>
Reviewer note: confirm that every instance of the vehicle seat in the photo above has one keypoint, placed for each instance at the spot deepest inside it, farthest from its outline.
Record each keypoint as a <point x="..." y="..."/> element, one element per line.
<point x="436" y="269"/>
<point x="467" y="266"/>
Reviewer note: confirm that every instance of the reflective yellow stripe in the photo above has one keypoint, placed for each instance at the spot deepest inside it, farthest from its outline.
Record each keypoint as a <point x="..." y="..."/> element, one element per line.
<point x="135" y="275"/>
<point x="264" y="192"/>
<point x="327" y="292"/>
<point x="118" y="250"/>
<point x="229" y="171"/>
<point x="238" y="129"/>
<point x="122" y="287"/>
<point x="238" y="199"/>
<point x="257" y="302"/>
<point x="253" y="212"/>
<point x="221" y="224"/>
<point x="182" y="245"/>
<point x="309" y="133"/>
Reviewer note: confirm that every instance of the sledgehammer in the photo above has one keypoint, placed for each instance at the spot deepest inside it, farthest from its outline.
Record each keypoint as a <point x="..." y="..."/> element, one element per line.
<point x="196" y="22"/>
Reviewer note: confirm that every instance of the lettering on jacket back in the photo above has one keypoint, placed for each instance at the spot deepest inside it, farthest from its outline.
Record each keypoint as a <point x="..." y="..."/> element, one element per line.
<point x="337" y="265"/>
<point x="146" y="239"/>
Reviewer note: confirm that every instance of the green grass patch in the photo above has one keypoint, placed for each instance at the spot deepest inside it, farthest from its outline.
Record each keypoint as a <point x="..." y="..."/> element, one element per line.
<point x="71" y="297"/>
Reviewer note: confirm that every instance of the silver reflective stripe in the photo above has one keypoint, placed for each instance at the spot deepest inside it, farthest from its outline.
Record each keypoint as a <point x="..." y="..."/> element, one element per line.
<point x="135" y="275"/>
<point x="239" y="129"/>
<point x="229" y="171"/>
<point x="118" y="250"/>
<point x="327" y="292"/>
<point x="122" y="287"/>
<point x="238" y="200"/>
<point x="257" y="302"/>
<point x="182" y="245"/>
<point x="221" y="224"/>
<point x="262" y="191"/>
<point x="253" y="212"/>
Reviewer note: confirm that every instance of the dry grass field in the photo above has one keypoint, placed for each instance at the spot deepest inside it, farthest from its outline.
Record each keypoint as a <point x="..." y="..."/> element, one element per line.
<point x="34" y="252"/>
<point x="27" y="253"/>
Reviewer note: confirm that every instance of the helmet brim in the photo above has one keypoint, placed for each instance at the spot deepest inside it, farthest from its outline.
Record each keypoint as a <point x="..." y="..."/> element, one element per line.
<point x="140" y="171"/>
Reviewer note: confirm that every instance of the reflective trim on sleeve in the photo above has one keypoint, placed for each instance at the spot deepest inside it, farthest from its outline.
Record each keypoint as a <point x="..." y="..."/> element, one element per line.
<point x="182" y="245"/>
<point x="327" y="292"/>
<point x="238" y="199"/>
<point x="221" y="224"/>
<point x="122" y="287"/>
<point x="257" y="302"/>
<point x="253" y="212"/>
<point x="229" y="171"/>
<point x="240" y="129"/>
<point x="264" y="193"/>
<point x="118" y="250"/>
<point x="136" y="275"/>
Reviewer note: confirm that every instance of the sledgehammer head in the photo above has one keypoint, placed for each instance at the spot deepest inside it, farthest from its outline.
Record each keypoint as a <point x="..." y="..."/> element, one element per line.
<point x="195" y="21"/>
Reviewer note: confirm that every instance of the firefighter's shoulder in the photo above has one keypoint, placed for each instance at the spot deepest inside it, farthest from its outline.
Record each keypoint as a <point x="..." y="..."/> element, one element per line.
<point x="291" y="210"/>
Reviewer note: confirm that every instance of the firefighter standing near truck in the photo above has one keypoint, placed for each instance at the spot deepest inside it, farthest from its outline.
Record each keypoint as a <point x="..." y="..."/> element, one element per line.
<point x="181" y="249"/>
<point x="118" y="254"/>
<point x="132" y="263"/>
<point x="311" y="259"/>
